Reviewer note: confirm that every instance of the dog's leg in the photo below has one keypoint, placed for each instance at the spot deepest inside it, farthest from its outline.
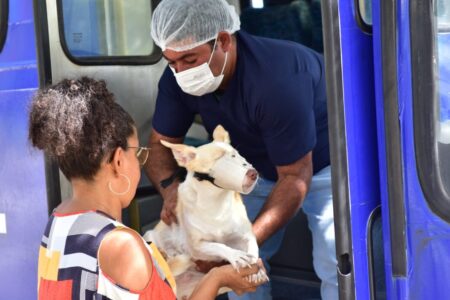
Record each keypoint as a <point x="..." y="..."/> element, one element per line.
<point x="168" y="239"/>
<point x="154" y="234"/>
<point x="149" y="236"/>
<point x="213" y="251"/>
<point x="252" y="246"/>
<point x="253" y="249"/>
<point x="179" y="264"/>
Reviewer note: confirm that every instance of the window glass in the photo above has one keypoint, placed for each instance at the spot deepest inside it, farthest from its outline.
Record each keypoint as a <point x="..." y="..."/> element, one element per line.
<point x="442" y="11"/>
<point x="257" y="3"/>
<point x="430" y="71"/>
<point x="377" y="252"/>
<point x="98" y="28"/>
<point x="3" y="22"/>
<point x="365" y="10"/>
<point x="442" y="57"/>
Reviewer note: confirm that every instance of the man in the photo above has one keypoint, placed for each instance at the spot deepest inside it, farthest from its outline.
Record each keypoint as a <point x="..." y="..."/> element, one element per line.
<point x="270" y="96"/>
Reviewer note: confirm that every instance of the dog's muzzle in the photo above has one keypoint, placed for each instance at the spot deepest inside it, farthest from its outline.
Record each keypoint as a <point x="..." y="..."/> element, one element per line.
<point x="235" y="175"/>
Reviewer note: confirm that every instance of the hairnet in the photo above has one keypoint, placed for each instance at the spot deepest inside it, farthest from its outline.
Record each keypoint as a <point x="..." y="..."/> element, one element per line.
<point x="181" y="25"/>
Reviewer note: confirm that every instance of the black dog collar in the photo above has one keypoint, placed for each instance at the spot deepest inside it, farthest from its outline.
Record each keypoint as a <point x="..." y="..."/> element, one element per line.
<point x="179" y="174"/>
<point x="205" y="176"/>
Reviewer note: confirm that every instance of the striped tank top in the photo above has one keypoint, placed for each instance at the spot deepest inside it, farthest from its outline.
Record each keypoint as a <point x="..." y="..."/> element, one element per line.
<point x="68" y="266"/>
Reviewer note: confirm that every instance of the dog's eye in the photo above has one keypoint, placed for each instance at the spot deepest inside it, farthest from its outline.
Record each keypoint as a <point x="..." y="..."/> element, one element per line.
<point x="233" y="155"/>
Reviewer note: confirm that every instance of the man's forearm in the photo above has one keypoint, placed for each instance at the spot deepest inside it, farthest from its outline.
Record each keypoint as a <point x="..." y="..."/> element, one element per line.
<point x="160" y="165"/>
<point x="282" y="204"/>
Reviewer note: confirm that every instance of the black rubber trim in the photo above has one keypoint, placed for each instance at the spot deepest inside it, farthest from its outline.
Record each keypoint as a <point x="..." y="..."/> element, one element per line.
<point x="359" y="19"/>
<point x="45" y="79"/>
<point x="42" y="43"/>
<point x="425" y="76"/>
<point x="338" y="148"/>
<point x="153" y="58"/>
<point x="394" y="157"/>
<point x="4" y="13"/>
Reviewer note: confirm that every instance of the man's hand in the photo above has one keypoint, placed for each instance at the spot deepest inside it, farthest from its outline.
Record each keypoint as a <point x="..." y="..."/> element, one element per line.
<point x="168" y="212"/>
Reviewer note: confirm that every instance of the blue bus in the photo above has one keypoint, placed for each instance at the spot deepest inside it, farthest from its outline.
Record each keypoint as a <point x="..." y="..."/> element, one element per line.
<point x="388" y="87"/>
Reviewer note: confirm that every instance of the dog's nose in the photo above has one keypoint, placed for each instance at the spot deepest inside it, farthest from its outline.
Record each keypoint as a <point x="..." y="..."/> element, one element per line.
<point x="252" y="174"/>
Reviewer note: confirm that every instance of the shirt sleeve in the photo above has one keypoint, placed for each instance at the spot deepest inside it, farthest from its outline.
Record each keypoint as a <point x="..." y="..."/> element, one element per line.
<point x="172" y="116"/>
<point x="286" y="119"/>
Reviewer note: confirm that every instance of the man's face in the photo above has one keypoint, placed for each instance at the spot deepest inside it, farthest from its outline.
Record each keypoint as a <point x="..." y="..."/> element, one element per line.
<point x="194" y="57"/>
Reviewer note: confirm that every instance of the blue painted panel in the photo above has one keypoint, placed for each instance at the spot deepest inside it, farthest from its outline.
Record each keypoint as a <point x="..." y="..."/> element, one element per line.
<point x="20" y="42"/>
<point x="23" y="199"/>
<point x="427" y="236"/>
<point x="362" y="154"/>
<point x="18" y="58"/>
<point x="19" y="77"/>
<point x="20" y="10"/>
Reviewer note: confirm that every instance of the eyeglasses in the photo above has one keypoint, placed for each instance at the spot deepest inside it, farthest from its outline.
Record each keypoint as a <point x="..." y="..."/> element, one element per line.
<point x="141" y="154"/>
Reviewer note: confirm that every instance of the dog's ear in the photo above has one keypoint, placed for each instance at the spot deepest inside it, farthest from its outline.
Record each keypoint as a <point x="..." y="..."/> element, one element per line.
<point x="183" y="154"/>
<point x="221" y="135"/>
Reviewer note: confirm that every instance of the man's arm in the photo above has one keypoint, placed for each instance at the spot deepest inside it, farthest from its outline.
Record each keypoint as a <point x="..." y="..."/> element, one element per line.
<point x="285" y="199"/>
<point x="161" y="165"/>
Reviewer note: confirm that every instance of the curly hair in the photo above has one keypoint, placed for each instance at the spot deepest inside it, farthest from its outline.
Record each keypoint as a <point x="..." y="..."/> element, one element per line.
<point x="78" y="123"/>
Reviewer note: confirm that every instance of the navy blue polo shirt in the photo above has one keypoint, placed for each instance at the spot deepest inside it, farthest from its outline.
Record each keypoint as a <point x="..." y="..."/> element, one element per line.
<point x="274" y="107"/>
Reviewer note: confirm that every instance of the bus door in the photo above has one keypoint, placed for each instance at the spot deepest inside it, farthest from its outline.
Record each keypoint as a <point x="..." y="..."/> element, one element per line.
<point x="412" y="55"/>
<point x="348" y="47"/>
<point x="23" y="205"/>
<point x="107" y="40"/>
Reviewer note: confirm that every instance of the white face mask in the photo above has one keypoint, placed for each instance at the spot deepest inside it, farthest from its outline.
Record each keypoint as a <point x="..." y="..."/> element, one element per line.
<point x="200" y="80"/>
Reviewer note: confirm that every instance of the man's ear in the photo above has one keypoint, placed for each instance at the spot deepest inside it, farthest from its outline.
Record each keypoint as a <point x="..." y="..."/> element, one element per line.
<point x="225" y="40"/>
<point x="221" y="135"/>
<point x="183" y="154"/>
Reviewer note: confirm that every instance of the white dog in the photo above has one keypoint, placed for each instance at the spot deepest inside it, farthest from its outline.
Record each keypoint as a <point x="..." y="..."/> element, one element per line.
<point x="213" y="223"/>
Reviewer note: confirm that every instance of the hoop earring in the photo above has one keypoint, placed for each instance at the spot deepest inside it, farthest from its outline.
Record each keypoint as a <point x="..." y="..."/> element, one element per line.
<point x="122" y="193"/>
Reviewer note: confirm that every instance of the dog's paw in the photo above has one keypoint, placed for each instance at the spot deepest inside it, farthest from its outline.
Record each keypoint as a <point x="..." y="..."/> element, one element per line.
<point x="240" y="259"/>
<point x="261" y="276"/>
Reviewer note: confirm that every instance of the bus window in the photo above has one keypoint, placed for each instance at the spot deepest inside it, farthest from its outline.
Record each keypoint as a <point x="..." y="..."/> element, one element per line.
<point x="442" y="11"/>
<point x="3" y="22"/>
<point x="107" y="29"/>
<point x="442" y="54"/>
<point x="430" y="55"/>
<point x="298" y="21"/>
<point x="257" y="3"/>
<point x="364" y="14"/>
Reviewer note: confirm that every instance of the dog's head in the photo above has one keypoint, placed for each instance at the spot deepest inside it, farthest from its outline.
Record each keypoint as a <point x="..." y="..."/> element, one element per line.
<point x="217" y="162"/>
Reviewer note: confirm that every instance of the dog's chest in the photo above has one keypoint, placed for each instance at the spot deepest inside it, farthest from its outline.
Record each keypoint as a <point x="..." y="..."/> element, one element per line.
<point x="217" y="217"/>
<point x="212" y="225"/>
